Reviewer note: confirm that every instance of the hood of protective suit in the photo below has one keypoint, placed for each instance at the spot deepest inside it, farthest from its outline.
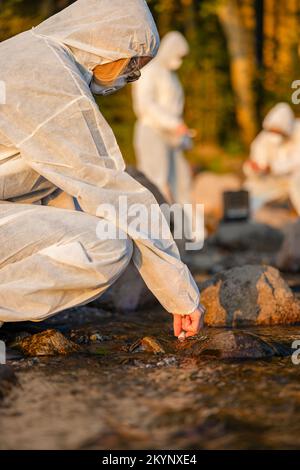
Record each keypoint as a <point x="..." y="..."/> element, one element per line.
<point x="103" y="31"/>
<point x="173" y="48"/>
<point x="281" y="118"/>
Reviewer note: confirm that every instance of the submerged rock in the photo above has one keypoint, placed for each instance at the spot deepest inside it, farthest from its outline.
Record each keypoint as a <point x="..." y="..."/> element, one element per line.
<point x="147" y="344"/>
<point x="47" y="343"/>
<point x="288" y="258"/>
<point x="241" y="345"/>
<point x="8" y="380"/>
<point x="245" y="236"/>
<point x="247" y="296"/>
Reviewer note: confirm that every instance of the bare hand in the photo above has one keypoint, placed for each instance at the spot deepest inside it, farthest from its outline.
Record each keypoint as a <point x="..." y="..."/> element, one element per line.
<point x="190" y="324"/>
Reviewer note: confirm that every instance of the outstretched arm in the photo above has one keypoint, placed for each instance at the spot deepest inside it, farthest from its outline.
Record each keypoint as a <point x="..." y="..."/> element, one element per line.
<point x="76" y="151"/>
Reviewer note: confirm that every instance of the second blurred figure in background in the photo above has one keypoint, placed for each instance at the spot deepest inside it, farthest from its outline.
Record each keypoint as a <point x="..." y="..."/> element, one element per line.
<point x="273" y="170"/>
<point x="161" y="134"/>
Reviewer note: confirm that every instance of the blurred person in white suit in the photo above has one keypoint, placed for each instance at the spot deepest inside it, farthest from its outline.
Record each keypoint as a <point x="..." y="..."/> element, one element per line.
<point x="161" y="134"/>
<point x="54" y="141"/>
<point x="273" y="169"/>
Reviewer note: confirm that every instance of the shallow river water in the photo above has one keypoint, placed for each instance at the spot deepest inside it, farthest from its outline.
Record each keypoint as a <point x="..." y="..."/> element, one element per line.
<point x="111" y="396"/>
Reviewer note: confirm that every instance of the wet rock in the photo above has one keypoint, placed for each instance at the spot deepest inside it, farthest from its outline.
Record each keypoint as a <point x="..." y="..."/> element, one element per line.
<point x="241" y="345"/>
<point x="147" y="344"/>
<point x="8" y="380"/>
<point x="87" y="336"/>
<point x="249" y="295"/>
<point x="47" y="343"/>
<point x="246" y="236"/>
<point x="97" y="338"/>
<point x="288" y="258"/>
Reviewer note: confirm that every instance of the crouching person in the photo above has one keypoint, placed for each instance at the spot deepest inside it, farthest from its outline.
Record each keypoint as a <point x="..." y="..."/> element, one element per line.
<point x="54" y="139"/>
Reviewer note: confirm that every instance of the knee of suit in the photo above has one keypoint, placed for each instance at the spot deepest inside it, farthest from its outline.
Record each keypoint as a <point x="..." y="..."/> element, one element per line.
<point x="115" y="254"/>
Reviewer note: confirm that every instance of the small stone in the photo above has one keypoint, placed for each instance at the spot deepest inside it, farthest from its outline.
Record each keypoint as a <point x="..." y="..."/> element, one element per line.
<point x="97" y="338"/>
<point x="47" y="343"/>
<point x="147" y="344"/>
<point x="80" y="337"/>
<point x="167" y="362"/>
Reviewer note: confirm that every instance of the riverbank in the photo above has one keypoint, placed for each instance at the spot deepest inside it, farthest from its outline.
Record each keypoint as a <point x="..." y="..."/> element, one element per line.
<point x="113" y="394"/>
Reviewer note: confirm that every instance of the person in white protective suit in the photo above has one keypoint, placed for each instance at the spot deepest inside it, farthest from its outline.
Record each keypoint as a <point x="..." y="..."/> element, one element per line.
<point x="273" y="170"/>
<point x="53" y="139"/>
<point x="160" y="133"/>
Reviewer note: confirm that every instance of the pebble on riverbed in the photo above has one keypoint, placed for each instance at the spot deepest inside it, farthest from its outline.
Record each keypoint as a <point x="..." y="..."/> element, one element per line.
<point x="47" y="343"/>
<point x="147" y="344"/>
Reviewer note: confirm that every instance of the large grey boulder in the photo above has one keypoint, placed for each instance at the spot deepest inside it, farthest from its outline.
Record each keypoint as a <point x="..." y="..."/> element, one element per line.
<point x="249" y="295"/>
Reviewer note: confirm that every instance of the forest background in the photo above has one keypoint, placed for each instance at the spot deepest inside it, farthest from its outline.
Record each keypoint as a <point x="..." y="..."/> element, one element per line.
<point x="244" y="58"/>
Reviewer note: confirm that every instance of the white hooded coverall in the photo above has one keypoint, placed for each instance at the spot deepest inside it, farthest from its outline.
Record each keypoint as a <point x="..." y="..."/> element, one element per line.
<point x="52" y="135"/>
<point x="276" y="149"/>
<point x="158" y="99"/>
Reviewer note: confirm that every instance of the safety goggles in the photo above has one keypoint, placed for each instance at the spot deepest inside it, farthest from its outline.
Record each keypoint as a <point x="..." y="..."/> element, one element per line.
<point x="129" y="69"/>
<point x="132" y="72"/>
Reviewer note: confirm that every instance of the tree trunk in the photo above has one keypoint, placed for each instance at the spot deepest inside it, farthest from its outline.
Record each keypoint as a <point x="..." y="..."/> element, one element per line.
<point x="165" y="10"/>
<point x="242" y="70"/>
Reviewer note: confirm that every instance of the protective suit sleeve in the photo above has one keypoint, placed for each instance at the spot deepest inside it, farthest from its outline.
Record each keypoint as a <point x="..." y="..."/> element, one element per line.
<point x="70" y="150"/>
<point x="145" y="91"/>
